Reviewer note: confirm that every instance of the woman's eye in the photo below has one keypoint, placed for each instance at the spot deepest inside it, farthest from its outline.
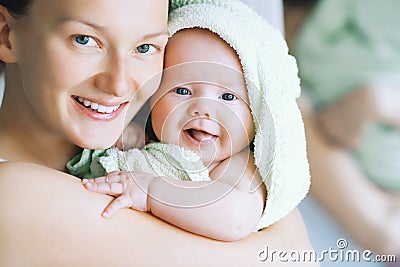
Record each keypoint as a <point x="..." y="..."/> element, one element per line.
<point x="228" y="97"/>
<point x="182" y="91"/>
<point x="85" y="40"/>
<point x="146" y="49"/>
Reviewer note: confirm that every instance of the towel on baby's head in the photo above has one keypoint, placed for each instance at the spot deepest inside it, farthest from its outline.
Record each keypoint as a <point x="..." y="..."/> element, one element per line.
<point x="272" y="85"/>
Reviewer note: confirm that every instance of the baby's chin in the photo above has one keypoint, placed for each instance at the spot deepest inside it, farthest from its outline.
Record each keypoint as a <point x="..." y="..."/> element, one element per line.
<point x="208" y="156"/>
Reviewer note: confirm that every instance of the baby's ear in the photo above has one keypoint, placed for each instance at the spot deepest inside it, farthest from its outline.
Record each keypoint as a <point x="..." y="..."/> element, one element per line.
<point x="7" y="53"/>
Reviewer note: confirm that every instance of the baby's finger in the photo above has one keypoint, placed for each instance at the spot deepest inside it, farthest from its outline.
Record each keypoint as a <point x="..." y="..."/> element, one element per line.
<point x="112" y="177"/>
<point x="112" y="189"/>
<point x="101" y="179"/>
<point x="124" y="201"/>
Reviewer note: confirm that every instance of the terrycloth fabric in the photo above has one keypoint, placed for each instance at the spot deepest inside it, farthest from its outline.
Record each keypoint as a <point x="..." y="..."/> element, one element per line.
<point x="158" y="159"/>
<point x="344" y="45"/>
<point x="86" y="164"/>
<point x="273" y="86"/>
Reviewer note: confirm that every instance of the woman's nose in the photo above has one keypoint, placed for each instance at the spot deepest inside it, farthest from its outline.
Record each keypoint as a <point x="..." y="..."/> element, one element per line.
<point x="116" y="77"/>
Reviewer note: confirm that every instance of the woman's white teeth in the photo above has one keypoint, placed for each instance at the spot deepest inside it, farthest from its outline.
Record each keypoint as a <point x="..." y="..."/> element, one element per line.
<point x="96" y="106"/>
<point x="86" y="103"/>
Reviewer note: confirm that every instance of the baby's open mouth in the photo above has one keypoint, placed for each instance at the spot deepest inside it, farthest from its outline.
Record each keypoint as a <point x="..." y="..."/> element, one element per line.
<point x="95" y="106"/>
<point x="200" y="135"/>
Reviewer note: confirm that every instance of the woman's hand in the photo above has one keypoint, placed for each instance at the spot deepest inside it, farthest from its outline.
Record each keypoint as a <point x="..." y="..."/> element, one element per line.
<point x="129" y="188"/>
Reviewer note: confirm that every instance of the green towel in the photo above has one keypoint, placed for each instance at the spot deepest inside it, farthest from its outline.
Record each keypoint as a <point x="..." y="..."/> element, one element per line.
<point x="158" y="159"/>
<point x="86" y="164"/>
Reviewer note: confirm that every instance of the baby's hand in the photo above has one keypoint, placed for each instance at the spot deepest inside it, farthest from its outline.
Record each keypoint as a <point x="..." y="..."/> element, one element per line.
<point x="133" y="137"/>
<point x="129" y="188"/>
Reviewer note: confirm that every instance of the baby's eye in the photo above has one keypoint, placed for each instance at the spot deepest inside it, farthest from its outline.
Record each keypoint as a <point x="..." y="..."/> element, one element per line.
<point x="182" y="91"/>
<point x="228" y="97"/>
<point x="85" y="40"/>
<point x="146" y="49"/>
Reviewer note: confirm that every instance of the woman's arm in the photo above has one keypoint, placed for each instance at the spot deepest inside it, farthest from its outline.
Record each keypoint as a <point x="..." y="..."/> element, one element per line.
<point x="227" y="207"/>
<point x="49" y="219"/>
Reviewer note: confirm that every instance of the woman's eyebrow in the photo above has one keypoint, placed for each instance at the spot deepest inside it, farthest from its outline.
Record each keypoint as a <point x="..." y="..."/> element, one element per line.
<point x="101" y="28"/>
<point x="155" y="35"/>
<point x="93" y="25"/>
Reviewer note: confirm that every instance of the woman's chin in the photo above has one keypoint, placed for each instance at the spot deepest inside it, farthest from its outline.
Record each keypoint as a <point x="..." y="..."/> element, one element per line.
<point x="97" y="143"/>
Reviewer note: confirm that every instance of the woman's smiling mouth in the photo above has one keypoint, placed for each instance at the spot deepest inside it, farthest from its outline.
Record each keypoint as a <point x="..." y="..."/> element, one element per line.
<point x="95" y="106"/>
<point x="96" y="111"/>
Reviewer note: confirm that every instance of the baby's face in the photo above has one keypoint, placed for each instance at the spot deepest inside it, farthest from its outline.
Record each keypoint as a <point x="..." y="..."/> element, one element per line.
<point x="202" y="102"/>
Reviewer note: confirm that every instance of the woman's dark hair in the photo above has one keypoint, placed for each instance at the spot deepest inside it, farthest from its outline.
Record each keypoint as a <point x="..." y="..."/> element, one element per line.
<point x="16" y="7"/>
<point x="20" y="7"/>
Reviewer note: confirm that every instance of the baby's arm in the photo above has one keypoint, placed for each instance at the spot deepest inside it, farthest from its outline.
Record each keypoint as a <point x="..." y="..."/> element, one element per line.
<point x="227" y="208"/>
<point x="62" y="227"/>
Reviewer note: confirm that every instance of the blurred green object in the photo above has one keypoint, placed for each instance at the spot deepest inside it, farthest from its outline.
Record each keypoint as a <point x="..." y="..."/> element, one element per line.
<point x="345" y="45"/>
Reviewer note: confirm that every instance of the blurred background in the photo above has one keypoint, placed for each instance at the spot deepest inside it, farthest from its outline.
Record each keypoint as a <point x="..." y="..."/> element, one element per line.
<point x="348" y="52"/>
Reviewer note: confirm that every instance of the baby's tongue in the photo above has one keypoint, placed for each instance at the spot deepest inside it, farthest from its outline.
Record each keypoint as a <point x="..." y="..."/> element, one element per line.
<point x="201" y="136"/>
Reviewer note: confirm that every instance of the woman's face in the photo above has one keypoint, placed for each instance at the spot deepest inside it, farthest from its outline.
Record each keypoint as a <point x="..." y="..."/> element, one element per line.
<point x="82" y="63"/>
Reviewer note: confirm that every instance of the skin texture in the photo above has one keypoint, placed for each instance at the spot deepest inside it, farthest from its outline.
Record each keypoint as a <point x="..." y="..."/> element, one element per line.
<point x="71" y="232"/>
<point x="49" y="219"/>
<point x="211" y="119"/>
<point x="200" y="105"/>
<point x="52" y="73"/>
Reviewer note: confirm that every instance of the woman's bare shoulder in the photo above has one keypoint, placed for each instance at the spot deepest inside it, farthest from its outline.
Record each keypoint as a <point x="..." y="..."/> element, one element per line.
<point x="48" y="218"/>
<point x="14" y="167"/>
